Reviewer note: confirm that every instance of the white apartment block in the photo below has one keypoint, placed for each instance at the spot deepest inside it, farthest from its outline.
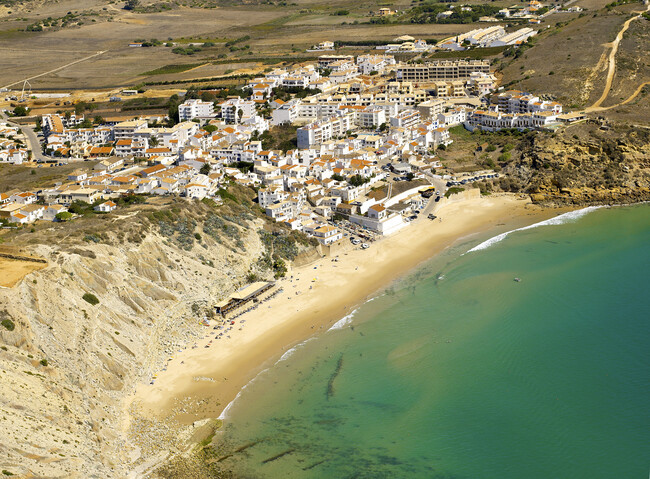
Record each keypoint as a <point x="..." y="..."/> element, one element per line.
<point x="431" y="108"/>
<point x="494" y="120"/>
<point x="319" y="131"/>
<point x="343" y="76"/>
<point x="325" y="60"/>
<point x="515" y="101"/>
<point x="230" y="109"/>
<point x="374" y="63"/>
<point x="405" y="119"/>
<point x="194" y="108"/>
<point x="481" y="84"/>
<point x="286" y="113"/>
<point x="371" y="117"/>
<point x="127" y="129"/>
<point x="442" y="70"/>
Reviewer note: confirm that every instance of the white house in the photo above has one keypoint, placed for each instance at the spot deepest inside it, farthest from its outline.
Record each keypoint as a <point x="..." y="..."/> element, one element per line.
<point x="24" y="198"/>
<point x="52" y="210"/>
<point x="105" y="207"/>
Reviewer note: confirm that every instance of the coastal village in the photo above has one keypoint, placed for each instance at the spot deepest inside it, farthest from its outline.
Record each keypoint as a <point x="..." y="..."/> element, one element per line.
<point x="193" y="192"/>
<point x="366" y="122"/>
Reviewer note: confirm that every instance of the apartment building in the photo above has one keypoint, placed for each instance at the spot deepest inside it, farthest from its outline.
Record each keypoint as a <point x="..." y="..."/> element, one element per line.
<point x="514" y="101"/>
<point x="405" y="119"/>
<point x="324" y="61"/>
<point x="230" y="109"/>
<point x="371" y="117"/>
<point x="495" y="120"/>
<point x="442" y="70"/>
<point x="127" y="129"/>
<point x="195" y="108"/>
<point x="287" y="112"/>
<point x="319" y="131"/>
<point x="431" y="108"/>
<point x="374" y="63"/>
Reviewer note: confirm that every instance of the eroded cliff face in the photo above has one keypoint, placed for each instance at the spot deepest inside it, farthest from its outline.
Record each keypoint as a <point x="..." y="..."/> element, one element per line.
<point x="68" y="366"/>
<point x="603" y="167"/>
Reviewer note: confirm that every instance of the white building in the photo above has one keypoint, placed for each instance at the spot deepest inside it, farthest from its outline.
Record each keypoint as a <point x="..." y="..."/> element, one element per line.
<point x="514" y="38"/>
<point x="319" y="131"/>
<point x="286" y="113"/>
<point x="105" y="207"/>
<point x="230" y="110"/>
<point x="371" y="117"/>
<point x="374" y="63"/>
<point x="195" y="108"/>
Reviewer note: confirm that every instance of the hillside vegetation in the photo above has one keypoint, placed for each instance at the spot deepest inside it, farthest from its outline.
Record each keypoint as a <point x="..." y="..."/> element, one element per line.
<point x="119" y="295"/>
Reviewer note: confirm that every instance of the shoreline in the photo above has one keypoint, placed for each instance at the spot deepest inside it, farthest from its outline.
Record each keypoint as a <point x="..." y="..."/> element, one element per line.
<point x="203" y="383"/>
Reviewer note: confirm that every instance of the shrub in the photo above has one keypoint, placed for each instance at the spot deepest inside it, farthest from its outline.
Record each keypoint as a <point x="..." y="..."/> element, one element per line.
<point x="8" y="324"/>
<point x="452" y="191"/>
<point x="43" y="362"/>
<point x="90" y="298"/>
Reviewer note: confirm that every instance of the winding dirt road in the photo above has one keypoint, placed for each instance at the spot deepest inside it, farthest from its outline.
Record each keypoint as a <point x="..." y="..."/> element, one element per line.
<point x="612" y="62"/>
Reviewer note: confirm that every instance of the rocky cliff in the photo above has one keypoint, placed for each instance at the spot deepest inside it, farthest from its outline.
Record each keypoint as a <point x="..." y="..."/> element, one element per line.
<point x="584" y="165"/>
<point x="107" y="311"/>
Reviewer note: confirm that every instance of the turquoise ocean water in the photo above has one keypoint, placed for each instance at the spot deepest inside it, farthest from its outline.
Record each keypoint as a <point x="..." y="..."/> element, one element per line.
<point x="458" y="371"/>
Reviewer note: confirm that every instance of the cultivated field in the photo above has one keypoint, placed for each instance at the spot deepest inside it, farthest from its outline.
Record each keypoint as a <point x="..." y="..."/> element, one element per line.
<point x="272" y="30"/>
<point x="568" y="61"/>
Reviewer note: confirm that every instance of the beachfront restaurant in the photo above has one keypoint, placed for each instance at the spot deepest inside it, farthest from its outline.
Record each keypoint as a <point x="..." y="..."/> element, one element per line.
<point x="245" y="295"/>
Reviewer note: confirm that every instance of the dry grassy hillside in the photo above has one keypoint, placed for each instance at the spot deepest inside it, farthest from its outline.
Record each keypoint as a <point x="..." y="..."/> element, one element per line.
<point x="120" y="294"/>
<point x="570" y="62"/>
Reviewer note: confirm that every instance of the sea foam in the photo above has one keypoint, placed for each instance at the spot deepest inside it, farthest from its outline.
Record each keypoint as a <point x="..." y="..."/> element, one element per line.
<point x="289" y="352"/>
<point x="224" y="413"/>
<point x="558" y="220"/>
<point x="344" y="321"/>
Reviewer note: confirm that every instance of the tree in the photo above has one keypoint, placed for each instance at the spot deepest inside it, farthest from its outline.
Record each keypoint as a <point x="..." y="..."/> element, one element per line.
<point x="205" y="169"/>
<point x="153" y="142"/>
<point x="64" y="216"/>
<point x="131" y="4"/>
<point x="20" y="111"/>
<point x="207" y="96"/>
<point x="358" y="180"/>
<point x="98" y="120"/>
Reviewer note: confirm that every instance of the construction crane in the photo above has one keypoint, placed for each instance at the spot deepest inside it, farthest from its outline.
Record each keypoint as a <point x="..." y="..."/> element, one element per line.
<point x="22" y="94"/>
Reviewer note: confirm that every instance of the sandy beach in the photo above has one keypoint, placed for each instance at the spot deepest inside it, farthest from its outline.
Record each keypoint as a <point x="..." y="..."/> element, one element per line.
<point x="200" y="383"/>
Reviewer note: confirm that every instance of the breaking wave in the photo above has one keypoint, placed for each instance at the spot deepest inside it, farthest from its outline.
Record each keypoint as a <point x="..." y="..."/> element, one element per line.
<point x="564" y="218"/>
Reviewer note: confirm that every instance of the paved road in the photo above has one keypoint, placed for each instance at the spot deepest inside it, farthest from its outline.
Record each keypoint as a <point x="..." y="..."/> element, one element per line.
<point x="32" y="140"/>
